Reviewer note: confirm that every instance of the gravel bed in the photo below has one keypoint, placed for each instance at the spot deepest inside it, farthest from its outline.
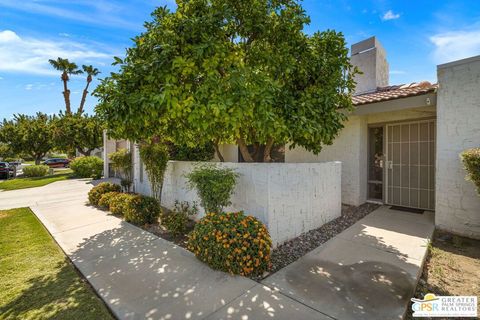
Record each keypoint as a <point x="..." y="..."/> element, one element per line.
<point x="296" y="248"/>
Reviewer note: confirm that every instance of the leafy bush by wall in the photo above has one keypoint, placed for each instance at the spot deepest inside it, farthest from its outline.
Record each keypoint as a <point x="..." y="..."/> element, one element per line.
<point x="141" y="210"/>
<point x="106" y="199"/>
<point x="471" y="161"/>
<point x="121" y="161"/>
<point x="35" y="171"/>
<point x="232" y="242"/>
<point x="154" y="155"/>
<point x="214" y="186"/>
<point x="177" y="220"/>
<point x="98" y="191"/>
<point x="87" y="167"/>
<point x="119" y="202"/>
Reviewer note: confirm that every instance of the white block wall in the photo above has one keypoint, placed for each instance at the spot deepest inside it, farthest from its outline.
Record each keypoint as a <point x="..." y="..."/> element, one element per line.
<point x="458" y="128"/>
<point x="350" y="147"/>
<point x="289" y="198"/>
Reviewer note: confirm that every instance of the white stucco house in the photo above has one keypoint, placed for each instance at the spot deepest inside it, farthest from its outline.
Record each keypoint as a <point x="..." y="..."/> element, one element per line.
<point x="401" y="144"/>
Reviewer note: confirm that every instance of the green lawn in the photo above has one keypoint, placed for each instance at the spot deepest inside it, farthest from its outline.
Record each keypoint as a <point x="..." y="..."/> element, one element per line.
<point x="23" y="183"/>
<point x="37" y="281"/>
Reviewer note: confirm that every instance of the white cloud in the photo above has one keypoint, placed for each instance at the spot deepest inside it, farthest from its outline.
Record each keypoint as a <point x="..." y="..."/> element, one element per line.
<point x="455" y="45"/>
<point x="30" y="55"/>
<point x="96" y="12"/>
<point x="389" y="15"/>
<point x="29" y="87"/>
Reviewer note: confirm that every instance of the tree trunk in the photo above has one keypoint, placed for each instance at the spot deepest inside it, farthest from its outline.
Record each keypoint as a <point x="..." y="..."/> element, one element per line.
<point x="244" y="150"/>
<point x="66" y="93"/>
<point x="267" y="157"/>
<point x="84" y="97"/>
<point x="217" y="151"/>
<point x="86" y="153"/>
<point x="38" y="158"/>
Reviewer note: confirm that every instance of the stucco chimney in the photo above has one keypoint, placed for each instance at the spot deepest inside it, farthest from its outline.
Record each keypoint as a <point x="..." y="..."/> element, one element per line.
<point x="370" y="57"/>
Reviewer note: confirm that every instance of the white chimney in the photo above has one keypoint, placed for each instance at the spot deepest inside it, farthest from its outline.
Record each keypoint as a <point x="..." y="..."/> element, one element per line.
<point x="370" y="57"/>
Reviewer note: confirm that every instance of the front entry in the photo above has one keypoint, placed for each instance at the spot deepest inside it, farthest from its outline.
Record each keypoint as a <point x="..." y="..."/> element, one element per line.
<point x="410" y="164"/>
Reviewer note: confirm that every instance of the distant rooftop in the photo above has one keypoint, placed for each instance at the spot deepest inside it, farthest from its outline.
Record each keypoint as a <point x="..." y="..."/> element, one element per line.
<point x="394" y="92"/>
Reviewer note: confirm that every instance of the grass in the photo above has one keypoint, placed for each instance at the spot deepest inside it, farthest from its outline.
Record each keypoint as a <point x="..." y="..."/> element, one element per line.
<point x="38" y="282"/>
<point x="451" y="268"/>
<point x="23" y="183"/>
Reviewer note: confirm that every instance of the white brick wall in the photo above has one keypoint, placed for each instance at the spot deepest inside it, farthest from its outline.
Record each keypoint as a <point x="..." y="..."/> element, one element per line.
<point x="289" y="198"/>
<point x="458" y="128"/>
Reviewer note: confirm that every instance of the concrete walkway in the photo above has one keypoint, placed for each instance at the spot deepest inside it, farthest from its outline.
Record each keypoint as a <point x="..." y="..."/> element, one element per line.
<point x="369" y="271"/>
<point x="139" y="275"/>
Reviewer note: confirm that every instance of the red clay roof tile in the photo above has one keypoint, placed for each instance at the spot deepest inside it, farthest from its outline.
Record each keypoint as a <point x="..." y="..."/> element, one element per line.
<point x="394" y="92"/>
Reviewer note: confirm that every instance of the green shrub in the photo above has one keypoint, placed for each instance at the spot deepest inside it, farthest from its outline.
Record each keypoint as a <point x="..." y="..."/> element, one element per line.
<point x="177" y="220"/>
<point x="98" y="191"/>
<point x="232" y="242"/>
<point x="471" y="161"/>
<point x="119" y="202"/>
<point x="35" y="171"/>
<point x="141" y="210"/>
<point x="106" y="198"/>
<point x="214" y="186"/>
<point x="87" y="167"/>
<point x="121" y="161"/>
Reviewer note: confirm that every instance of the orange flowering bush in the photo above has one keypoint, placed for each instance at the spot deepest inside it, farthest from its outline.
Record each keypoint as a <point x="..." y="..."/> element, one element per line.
<point x="232" y="242"/>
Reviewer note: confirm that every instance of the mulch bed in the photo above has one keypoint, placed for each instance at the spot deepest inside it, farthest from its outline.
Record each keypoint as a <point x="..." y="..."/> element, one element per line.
<point x="296" y="248"/>
<point x="163" y="233"/>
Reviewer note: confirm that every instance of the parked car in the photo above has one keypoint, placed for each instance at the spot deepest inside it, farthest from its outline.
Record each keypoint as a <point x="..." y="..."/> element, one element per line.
<point x="7" y="171"/>
<point x="57" y="163"/>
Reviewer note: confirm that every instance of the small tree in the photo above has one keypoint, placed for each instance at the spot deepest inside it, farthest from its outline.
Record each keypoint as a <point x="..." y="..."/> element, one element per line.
<point x="154" y="155"/>
<point x="214" y="186"/>
<point x="31" y="135"/>
<point x="121" y="161"/>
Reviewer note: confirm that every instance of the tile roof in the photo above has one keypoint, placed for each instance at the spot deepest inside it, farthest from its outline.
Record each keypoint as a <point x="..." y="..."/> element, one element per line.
<point x="394" y="92"/>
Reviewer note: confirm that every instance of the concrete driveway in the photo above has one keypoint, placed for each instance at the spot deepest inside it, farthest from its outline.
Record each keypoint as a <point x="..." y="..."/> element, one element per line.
<point x="369" y="271"/>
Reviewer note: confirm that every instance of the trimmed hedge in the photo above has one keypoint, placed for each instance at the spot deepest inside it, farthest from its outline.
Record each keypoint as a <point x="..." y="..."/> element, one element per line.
<point x="119" y="202"/>
<point x="141" y="210"/>
<point x="98" y="191"/>
<point x="232" y="242"/>
<point x="87" y="167"/>
<point x="35" y="171"/>
<point x="106" y="199"/>
<point x="471" y="161"/>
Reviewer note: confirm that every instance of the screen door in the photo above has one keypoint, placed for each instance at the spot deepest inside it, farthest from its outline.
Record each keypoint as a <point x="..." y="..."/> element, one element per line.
<point x="410" y="160"/>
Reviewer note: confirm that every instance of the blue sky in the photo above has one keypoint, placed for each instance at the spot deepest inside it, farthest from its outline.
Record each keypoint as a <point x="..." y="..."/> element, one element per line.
<point x="417" y="35"/>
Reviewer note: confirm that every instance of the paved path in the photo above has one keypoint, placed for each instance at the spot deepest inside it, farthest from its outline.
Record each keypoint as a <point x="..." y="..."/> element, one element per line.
<point x="369" y="271"/>
<point x="139" y="275"/>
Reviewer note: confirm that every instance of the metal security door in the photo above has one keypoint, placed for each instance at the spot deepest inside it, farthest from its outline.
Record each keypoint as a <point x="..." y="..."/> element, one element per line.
<point x="410" y="159"/>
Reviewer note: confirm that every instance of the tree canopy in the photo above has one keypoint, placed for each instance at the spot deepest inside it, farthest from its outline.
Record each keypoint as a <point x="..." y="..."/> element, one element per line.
<point x="82" y="133"/>
<point x="229" y="71"/>
<point x="30" y="135"/>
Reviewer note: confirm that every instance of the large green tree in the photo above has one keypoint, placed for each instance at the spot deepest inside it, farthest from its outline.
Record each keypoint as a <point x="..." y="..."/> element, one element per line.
<point x="229" y="71"/>
<point x="77" y="132"/>
<point x="30" y="135"/>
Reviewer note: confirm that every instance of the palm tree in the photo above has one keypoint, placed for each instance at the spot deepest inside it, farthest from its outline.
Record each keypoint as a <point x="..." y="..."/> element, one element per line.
<point x="68" y="68"/>
<point x="91" y="72"/>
